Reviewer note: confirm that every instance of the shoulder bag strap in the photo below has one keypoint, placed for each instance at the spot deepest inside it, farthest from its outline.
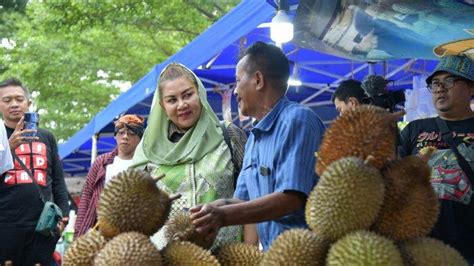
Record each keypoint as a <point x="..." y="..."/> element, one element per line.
<point x="447" y="136"/>
<point x="229" y="144"/>
<point x="227" y="139"/>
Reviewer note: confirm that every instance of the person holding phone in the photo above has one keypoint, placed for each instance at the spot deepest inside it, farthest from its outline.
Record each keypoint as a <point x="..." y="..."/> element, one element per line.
<point x="20" y="202"/>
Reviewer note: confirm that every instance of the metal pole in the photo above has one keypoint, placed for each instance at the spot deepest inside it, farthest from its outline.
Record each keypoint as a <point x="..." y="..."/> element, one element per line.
<point x="371" y="68"/>
<point x="95" y="137"/>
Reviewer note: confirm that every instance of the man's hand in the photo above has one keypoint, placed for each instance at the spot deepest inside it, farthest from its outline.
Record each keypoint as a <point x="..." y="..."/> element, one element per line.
<point x="17" y="138"/>
<point x="62" y="224"/>
<point x="207" y="219"/>
<point x="398" y="115"/>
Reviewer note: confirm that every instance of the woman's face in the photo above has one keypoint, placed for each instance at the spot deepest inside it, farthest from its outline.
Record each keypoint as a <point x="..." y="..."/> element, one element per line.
<point x="180" y="101"/>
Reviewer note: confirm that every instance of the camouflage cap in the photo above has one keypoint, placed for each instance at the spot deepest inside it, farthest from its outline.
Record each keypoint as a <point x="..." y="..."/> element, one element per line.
<point x="459" y="65"/>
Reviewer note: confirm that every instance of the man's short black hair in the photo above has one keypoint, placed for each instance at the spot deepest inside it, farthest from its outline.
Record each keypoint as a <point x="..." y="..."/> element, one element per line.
<point x="16" y="83"/>
<point x="271" y="61"/>
<point x="349" y="88"/>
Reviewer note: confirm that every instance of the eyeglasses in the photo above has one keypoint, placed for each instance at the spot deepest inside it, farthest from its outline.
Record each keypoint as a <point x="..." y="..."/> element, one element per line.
<point x="122" y="133"/>
<point x="447" y="83"/>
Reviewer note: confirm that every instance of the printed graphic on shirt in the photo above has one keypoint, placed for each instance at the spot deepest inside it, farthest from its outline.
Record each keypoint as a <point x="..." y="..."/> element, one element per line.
<point x="447" y="177"/>
<point x="35" y="157"/>
<point x="434" y="139"/>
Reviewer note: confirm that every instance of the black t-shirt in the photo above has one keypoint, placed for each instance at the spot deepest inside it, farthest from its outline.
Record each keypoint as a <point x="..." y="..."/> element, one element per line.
<point x="20" y="203"/>
<point x="455" y="225"/>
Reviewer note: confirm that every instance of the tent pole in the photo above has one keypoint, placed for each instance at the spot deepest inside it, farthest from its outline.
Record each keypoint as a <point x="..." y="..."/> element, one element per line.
<point x="371" y="68"/>
<point x="94" y="147"/>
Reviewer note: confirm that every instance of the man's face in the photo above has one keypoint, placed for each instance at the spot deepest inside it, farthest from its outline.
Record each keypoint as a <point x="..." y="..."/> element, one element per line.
<point x="127" y="141"/>
<point x="451" y="100"/>
<point x="342" y="106"/>
<point x="245" y="88"/>
<point x="13" y="103"/>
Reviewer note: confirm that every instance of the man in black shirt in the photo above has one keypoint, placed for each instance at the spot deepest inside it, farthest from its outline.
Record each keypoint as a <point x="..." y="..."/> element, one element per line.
<point x="452" y="88"/>
<point x="348" y="95"/>
<point x="20" y="202"/>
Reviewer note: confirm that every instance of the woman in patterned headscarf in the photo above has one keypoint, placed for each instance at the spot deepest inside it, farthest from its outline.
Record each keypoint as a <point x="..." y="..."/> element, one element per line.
<point x="185" y="140"/>
<point x="128" y="132"/>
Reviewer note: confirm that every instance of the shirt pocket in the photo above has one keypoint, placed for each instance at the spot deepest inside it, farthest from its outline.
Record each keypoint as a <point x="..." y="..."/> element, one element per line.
<point x="266" y="178"/>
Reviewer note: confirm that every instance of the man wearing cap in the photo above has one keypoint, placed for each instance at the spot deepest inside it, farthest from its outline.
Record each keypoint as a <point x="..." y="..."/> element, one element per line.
<point x="128" y="133"/>
<point x="452" y="88"/>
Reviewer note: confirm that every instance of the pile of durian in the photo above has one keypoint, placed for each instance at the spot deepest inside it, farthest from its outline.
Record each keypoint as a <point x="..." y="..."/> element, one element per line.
<point x="131" y="209"/>
<point x="369" y="207"/>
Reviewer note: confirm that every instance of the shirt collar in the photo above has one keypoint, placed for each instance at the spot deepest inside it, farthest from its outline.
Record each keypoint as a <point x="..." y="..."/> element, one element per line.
<point x="174" y="133"/>
<point x="269" y="119"/>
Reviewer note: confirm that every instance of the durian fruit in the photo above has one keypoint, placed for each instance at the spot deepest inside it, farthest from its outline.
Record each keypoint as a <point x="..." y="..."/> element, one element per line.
<point x="239" y="254"/>
<point x="364" y="248"/>
<point x="81" y="252"/>
<point x="296" y="247"/>
<point x="180" y="228"/>
<point x="132" y="202"/>
<point x="187" y="253"/>
<point x="363" y="131"/>
<point x="410" y="206"/>
<point x="429" y="251"/>
<point x="347" y="197"/>
<point x="129" y="248"/>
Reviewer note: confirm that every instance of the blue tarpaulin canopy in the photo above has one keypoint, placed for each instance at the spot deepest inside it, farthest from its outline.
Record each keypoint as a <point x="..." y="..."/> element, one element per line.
<point x="213" y="56"/>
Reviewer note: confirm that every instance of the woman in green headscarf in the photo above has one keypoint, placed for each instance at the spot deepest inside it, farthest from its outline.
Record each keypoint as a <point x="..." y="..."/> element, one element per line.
<point x="184" y="140"/>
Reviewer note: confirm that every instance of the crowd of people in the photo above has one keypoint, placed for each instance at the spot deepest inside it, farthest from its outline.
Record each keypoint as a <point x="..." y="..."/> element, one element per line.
<point x="236" y="189"/>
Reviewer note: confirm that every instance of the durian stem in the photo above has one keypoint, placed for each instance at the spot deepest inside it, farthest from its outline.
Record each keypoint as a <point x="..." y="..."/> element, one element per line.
<point x="369" y="159"/>
<point x="157" y="178"/>
<point x="175" y="197"/>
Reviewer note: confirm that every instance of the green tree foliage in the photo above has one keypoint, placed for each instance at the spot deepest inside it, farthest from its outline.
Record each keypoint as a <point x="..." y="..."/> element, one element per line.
<point x="71" y="53"/>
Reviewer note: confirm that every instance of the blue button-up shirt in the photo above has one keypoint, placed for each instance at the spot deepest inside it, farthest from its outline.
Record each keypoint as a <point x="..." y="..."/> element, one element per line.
<point x="279" y="156"/>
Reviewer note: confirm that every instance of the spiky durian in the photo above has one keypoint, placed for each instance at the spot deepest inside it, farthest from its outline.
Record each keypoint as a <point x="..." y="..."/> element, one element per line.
<point x="428" y="251"/>
<point x="364" y="248"/>
<point x="132" y="202"/>
<point x="296" y="247"/>
<point x="410" y="206"/>
<point x="366" y="130"/>
<point x="131" y="248"/>
<point x="347" y="197"/>
<point x="239" y="254"/>
<point x="180" y="228"/>
<point x="82" y="251"/>
<point x="186" y="253"/>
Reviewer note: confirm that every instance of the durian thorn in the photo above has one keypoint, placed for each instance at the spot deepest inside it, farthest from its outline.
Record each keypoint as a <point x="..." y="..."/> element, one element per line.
<point x="157" y="178"/>
<point x="175" y="197"/>
<point x="96" y="226"/>
<point x="369" y="159"/>
<point x="177" y="236"/>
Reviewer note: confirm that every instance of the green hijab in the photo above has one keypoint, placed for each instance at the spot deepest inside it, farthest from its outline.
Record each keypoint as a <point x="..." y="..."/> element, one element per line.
<point x="156" y="148"/>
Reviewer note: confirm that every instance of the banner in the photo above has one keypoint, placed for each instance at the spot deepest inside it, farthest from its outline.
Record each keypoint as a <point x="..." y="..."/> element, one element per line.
<point x="384" y="29"/>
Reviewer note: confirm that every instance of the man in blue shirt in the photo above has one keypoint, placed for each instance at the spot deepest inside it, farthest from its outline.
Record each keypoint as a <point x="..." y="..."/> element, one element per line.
<point x="278" y="169"/>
